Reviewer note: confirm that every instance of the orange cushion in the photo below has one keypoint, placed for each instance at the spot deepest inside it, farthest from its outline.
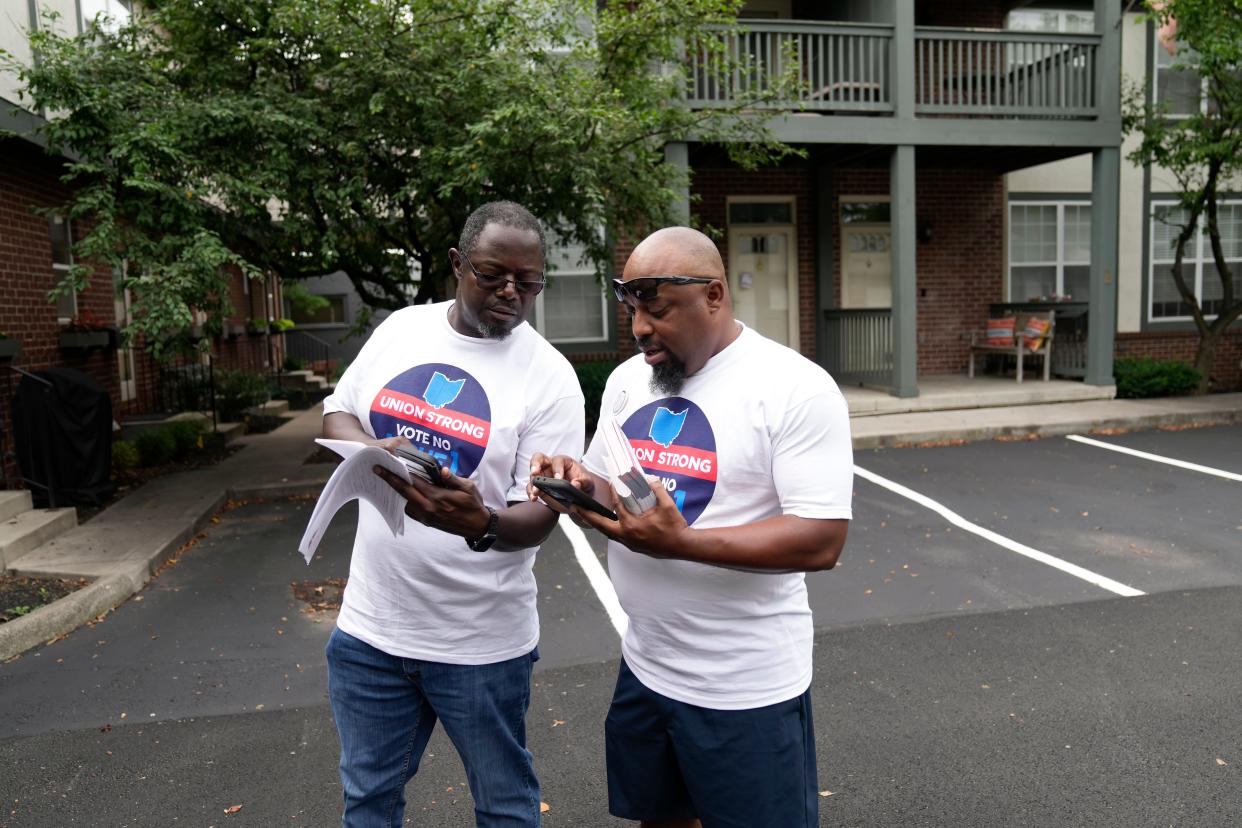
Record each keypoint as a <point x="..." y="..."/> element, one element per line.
<point x="999" y="332"/>
<point x="1034" y="332"/>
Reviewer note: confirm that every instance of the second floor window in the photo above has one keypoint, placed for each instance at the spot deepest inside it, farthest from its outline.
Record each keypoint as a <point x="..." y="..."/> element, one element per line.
<point x="1182" y="90"/>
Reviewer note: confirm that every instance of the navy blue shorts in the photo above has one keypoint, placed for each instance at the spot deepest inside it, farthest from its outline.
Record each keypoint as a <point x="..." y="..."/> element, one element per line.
<point x="730" y="768"/>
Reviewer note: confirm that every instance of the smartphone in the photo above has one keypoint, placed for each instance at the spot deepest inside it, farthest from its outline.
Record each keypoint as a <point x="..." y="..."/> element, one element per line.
<point x="422" y="464"/>
<point x="571" y="495"/>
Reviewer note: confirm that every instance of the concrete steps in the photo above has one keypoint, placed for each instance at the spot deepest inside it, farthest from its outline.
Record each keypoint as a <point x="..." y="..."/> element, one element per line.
<point x="271" y="408"/>
<point x="27" y="530"/>
<point x="303" y="379"/>
<point x="13" y="502"/>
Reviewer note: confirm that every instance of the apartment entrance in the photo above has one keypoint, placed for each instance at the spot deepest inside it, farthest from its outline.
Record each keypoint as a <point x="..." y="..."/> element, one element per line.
<point x="763" y="270"/>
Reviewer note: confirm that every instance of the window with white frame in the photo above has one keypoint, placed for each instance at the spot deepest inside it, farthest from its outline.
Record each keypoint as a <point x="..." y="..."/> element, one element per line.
<point x="60" y="232"/>
<point x="1051" y="20"/>
<point x="1198" y="264"/>
<point x="1182" y="90"/>
<point x="1049" y="250"/>
<point x="573" y="307"/>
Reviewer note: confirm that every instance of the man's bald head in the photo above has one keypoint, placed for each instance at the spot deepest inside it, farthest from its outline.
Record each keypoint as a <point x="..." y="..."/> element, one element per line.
<point x="675" y="251"/>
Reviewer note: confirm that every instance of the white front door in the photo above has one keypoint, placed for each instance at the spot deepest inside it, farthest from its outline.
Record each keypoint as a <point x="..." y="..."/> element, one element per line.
<point x="866" y="266"/>
<point x="763" y="278"/>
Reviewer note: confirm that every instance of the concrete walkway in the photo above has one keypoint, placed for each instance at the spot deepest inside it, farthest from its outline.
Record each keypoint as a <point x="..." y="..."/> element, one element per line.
<point x="123" y="546"/>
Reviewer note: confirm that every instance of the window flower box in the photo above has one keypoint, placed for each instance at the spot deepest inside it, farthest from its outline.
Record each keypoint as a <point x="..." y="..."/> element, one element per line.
<point x="85" y="340"/>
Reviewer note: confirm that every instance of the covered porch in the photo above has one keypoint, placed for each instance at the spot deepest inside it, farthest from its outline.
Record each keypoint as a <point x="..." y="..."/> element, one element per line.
<point x="921" y="113"/>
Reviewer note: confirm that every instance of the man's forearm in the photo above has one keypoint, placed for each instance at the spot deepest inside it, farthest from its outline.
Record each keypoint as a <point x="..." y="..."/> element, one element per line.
<point x="782" y="544"/>
<point x="522" y="525"/>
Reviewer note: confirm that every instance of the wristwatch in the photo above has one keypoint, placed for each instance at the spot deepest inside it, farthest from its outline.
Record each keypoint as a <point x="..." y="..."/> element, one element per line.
<point x="483" y="543"/>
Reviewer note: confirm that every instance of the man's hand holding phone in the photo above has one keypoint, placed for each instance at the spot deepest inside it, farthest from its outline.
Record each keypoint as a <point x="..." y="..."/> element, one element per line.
<point x="654" y="532"/>
<point x="434" y="496"/>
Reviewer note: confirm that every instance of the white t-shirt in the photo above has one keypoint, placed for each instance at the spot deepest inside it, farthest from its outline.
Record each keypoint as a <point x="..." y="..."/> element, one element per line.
<point x="759" y="431"/>
<point x="483" y="407"/>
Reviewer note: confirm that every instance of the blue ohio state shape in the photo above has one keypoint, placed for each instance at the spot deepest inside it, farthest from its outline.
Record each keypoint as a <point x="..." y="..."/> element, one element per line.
<point x="442" y="409"/>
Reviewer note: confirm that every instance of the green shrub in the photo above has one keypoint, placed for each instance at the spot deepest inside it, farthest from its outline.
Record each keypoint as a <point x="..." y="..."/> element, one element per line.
<point x="186" y="436"/>
<point x="293" y="363"/>
<point x="236" y="391"/>
<point x="124" y="456"/>
<point x="156" y="446"/>
<point x="1138" y="378"/>
<point x="592" y="376"/>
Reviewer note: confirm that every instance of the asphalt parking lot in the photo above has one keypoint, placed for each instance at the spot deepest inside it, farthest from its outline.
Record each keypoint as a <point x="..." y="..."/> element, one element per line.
<point x="1036" y="633"/>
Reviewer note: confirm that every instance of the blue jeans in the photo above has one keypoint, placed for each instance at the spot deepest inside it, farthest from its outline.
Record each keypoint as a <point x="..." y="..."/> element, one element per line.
<point x="385" y="709"/>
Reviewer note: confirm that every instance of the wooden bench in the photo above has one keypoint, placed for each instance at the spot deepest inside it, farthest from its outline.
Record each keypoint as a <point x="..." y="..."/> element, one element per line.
<point x="1018" y="349"/>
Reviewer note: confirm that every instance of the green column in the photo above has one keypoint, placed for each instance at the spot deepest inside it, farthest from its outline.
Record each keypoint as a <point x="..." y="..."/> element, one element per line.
<point x="1102" y="296"/>
<point x="825" y="258"/>
<point x="905" y="322"/>
<point x="677" y="154"/>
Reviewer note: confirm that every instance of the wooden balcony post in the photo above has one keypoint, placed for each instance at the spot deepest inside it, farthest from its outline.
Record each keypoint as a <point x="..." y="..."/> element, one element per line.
<point x="1102" y="293"/>
<point x="903" y="61"/>
<point x="905" y="322"/>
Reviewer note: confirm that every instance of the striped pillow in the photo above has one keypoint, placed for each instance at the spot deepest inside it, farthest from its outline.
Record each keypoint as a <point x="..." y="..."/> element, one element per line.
<point x="999" y="332"/>
<point x="1034" y="332"/>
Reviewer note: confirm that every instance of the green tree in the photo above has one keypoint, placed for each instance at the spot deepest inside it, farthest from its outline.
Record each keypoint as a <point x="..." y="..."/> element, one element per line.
<point x="300" y="137"/>
<point x="1202" y="151"/>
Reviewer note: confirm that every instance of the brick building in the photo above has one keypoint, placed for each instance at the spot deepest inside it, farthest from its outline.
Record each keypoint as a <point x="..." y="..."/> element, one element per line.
<point x="36" y="246"/>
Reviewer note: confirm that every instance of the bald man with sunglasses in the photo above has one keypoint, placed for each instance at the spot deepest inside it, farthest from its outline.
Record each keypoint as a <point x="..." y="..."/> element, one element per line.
<point x="748" y="447"/>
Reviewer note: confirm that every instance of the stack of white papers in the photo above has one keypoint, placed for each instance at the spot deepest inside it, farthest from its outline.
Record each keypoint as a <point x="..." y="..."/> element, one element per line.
<point x="625" y="471"/>
<point x="354" y="480"/>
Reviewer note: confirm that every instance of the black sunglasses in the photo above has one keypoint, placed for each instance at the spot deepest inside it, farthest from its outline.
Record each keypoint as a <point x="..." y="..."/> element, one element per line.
<point x="645" y="288"/>
<point x="496" y="281"/>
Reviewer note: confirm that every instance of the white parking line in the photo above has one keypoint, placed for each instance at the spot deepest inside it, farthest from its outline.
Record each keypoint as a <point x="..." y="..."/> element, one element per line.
<point x="1000" y="540"/>
<point x="595" y="574"/>
<point x="1181" y="464"/>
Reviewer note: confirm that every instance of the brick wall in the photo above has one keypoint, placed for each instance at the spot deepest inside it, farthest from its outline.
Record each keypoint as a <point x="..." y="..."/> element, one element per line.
<point x="29" y="179"/>
<point x="1226" y="371"/>
<point x="959" y="13"/>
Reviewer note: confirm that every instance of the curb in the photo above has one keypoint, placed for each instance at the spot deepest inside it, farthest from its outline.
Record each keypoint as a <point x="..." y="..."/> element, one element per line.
<point x="909" y="439"/>
<point x="64" y="615"/>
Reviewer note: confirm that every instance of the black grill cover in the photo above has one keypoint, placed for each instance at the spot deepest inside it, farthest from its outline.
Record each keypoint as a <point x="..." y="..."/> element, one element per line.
<point x="63" y="429"/>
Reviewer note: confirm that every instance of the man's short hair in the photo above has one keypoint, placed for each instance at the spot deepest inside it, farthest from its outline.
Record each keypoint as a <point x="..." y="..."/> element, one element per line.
<point x="504" y="213"/>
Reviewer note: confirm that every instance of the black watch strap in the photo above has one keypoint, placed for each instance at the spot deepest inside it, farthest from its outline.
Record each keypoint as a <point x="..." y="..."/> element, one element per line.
<point x="483" y="543"/>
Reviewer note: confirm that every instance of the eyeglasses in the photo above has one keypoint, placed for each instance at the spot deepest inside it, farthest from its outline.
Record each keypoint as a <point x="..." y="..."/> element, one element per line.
<point x="489" y="281"/>
<point x="645" y="288"/>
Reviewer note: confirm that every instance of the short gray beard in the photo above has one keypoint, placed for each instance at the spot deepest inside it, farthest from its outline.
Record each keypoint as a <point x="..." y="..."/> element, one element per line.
<point x="668" y="377"/>
<point x="497" y="332"/>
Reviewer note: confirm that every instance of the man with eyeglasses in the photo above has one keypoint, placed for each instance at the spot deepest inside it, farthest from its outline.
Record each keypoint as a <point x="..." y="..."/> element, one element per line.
<point x="440" y="623"/>
<point x="710" y="722"/>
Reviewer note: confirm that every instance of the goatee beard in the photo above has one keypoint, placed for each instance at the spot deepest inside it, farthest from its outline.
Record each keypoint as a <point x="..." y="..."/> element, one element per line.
<point x="497" y="332"/>
<point x="668" y="377"/>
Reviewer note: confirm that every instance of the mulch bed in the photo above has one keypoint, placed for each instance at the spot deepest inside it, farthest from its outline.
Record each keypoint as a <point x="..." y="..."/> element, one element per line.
<point x="20" y="596"/>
